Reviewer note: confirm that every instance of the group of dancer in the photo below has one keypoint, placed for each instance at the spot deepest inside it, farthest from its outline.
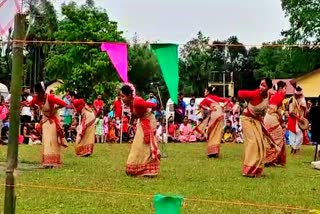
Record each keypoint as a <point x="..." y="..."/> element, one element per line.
<point x="144" y="156"/>
<point x="261" y="122"/>
<point x="53" y="138"/>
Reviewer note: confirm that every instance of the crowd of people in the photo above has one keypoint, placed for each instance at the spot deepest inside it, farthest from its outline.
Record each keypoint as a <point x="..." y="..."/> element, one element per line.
<point x="262" y="119"/>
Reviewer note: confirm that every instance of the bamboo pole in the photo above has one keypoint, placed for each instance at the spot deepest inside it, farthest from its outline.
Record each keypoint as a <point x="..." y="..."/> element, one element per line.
<point x="16" y="86"/>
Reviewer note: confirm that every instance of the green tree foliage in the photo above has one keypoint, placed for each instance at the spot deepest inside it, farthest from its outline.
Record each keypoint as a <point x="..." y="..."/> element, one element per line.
<point x="42" y="23"/>
<point x="84" y="67"/>
<point x="6" y="59"/>
<point x="143" y="67"/>
<point x="286" y="62"/>
<point x="195" y="65"/>
<point x="304" y="17"/>
<point x="203" y="61"/>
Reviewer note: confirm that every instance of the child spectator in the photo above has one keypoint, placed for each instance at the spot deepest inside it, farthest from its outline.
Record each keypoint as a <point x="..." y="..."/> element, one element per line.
<point x="99" y="128"/>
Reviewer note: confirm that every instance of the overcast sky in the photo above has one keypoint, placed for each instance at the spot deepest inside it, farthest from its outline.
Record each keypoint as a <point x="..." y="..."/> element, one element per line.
<point x="177" y="21"/>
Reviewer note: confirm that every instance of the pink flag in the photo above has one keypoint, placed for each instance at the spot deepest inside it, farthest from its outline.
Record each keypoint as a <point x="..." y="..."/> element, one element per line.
<point x="118" y="54"/>
<point x="8" y="9"/>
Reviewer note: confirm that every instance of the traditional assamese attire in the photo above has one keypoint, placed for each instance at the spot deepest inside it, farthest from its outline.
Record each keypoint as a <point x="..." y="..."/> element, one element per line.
<point x="52" y="131"/>
<point x="86" y="131"/>
<point x="272" y="122"/>
<point x="297" y="107"/>
<point x="144" y="156"/>
<point x="253" y="132"/>
<point x="214" y="123"/>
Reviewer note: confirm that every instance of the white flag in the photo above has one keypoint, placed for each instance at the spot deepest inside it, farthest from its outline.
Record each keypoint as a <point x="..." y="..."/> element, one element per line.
<point x="8" y="9"/>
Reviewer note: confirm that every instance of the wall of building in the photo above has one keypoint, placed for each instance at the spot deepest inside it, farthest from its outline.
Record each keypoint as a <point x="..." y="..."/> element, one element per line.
<point x="310" y="84"/>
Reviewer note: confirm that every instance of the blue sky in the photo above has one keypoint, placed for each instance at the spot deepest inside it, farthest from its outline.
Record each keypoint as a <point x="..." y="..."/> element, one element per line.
<point x="177" y="21"/>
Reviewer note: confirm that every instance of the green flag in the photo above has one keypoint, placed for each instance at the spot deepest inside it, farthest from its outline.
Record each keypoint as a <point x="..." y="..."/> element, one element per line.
<point x="167" y="55"/>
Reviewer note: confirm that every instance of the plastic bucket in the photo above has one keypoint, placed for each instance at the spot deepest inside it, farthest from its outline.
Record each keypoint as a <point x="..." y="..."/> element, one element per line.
<point x="167" y="204"/>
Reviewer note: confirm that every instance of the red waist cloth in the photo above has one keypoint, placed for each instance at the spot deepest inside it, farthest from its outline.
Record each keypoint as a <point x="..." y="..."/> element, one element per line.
<point x="59" y="129"/>
<point x="149" y="137"/>
<point x="247" y="113"/>
<point x="146" y="127"/>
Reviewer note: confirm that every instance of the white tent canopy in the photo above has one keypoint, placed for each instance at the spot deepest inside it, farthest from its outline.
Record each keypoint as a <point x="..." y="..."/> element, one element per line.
<point x="4" y="90"/>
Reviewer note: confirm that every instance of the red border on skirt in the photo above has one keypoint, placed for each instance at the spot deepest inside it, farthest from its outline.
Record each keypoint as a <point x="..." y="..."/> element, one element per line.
<point x="84" y="150"/>
<point x="212" y="150"/>
<point x="251" y="171"/>
<point x="51" y="160"/>
<point x="150" y="169"/>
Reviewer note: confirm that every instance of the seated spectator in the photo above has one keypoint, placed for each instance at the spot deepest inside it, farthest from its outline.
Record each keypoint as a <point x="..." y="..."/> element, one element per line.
<point x="161" y="133"/>
<point x="239" y="134"/>
<point x="34" y="138"/>
<point x="228" y="133"/>
<point x="186" y="133"/>
<point x="72" y="130"/>
<point x="172" y="131"/>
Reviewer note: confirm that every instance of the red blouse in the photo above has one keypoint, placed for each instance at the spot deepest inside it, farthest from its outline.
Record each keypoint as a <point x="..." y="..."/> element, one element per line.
<point x="53" y="100"/>
<point x="117" y="108"/>
<point x="207" y="100"/>
<point x="140" y="106"/>
<point x="277" y="99"/>
<point x="254" y="96"/>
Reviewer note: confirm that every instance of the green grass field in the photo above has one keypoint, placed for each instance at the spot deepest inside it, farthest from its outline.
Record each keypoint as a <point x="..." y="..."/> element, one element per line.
<point x="185" y="172"/>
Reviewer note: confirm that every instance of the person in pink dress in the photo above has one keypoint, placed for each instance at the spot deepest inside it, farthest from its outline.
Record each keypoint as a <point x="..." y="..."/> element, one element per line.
<point x="186" y="133"/>
<point x="105" y="126"/>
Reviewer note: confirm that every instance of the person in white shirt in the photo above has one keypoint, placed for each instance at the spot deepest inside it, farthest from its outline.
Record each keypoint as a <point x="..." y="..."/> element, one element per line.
<point x="191" y="110"/>
<point x="26" y="115"/>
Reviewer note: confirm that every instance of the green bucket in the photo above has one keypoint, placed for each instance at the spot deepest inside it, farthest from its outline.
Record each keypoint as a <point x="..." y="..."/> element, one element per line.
<point x="167" y="204"/>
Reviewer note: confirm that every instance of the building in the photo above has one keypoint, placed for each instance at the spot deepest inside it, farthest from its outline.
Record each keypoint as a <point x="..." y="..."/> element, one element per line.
<point x="310" y="83"/>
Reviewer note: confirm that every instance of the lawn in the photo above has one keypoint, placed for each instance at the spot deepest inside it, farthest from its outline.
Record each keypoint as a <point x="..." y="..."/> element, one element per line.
<point x="186" y="171"/>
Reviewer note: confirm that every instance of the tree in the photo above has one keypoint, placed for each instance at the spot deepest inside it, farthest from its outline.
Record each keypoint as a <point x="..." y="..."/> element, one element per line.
<point x="286" y="62"/>
<point x="42" y="23"/>
<point x="143" y="66"/>
<point x="195" y="65"/>
<point x="202" y="62"/>
<point x="84" y="67"/>
<point x="304" y="17"/>
<point x="6" y="59"/>
<point x="236" y="61"/>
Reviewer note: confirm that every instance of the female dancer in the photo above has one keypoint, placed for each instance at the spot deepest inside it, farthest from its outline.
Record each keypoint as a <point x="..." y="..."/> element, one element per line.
<point x="214" y="121"/>
<point x="52" y="132"/>
<point x="253" y="130"/>
<point x="272" y="122"/>
<point x="86" y="133"/>
<point x="144" y="156"/>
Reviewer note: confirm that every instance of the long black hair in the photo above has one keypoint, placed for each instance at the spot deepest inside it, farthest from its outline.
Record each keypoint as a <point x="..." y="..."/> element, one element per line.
<point x="268" y="82"/>
<point x="211" y="90"/>
<point x="126" y="90"/>
<point x="280" y="84"/>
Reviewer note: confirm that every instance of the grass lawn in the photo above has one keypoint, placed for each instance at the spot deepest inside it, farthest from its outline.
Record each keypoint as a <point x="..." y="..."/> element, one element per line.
<point x="185" y="172"/>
